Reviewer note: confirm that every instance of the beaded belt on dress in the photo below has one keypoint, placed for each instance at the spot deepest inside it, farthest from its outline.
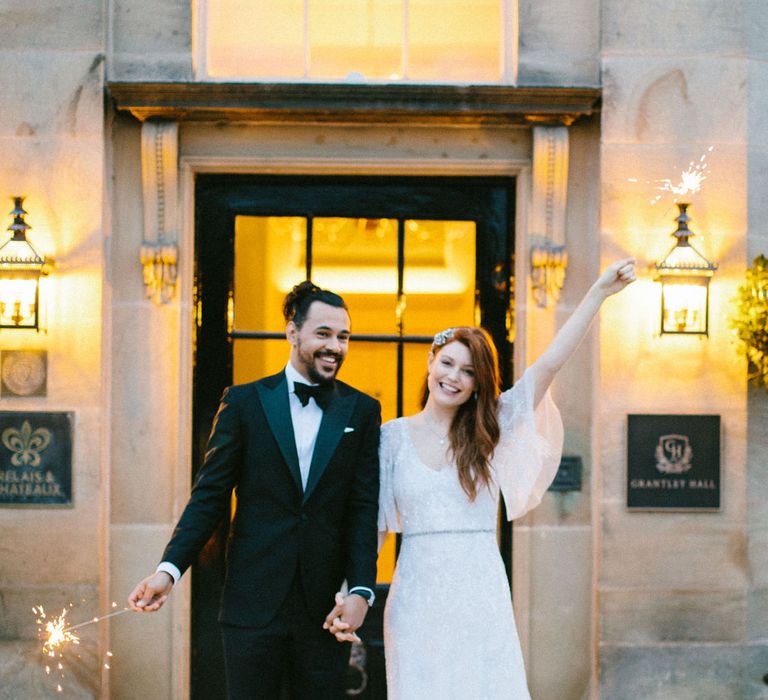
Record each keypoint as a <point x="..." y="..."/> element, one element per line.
<point x="445" y="532"/>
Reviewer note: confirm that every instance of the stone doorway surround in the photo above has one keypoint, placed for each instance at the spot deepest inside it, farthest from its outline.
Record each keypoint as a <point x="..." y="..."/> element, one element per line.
<point x="253" y="129"/>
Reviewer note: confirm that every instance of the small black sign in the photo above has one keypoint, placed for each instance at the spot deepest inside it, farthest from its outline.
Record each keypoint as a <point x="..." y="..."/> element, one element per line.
<point x="568" y="477"/>
<point x="673" y="462"/>
<point x="35" y="458"/>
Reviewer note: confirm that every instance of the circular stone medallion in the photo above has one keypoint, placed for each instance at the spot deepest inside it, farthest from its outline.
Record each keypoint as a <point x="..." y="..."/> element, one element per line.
<point x="23" y="372"/>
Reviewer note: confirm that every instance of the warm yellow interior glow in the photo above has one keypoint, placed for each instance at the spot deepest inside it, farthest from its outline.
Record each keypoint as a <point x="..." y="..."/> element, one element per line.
<point x="247" y="38"/>
<point x="447" y="40"/>
<point x="17" y="301"/>
<point x="454" y="40"/>
<point x="357" y="258"/>
<point x="684" y="307"/>
<point x="264" y="247"/>
<point x="446" y="281"/>
<point x="354" y="39"/>
<point x="385" y="566"/>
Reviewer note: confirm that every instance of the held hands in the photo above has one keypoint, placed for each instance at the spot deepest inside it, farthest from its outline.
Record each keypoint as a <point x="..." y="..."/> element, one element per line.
<point x="150" y="594"/>
<point x="616" y="276"/>
<point x="346" y="617"/>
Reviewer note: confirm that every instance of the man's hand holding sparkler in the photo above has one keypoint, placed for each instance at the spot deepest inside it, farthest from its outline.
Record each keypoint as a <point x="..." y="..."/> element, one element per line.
<point x="150" y="594"/>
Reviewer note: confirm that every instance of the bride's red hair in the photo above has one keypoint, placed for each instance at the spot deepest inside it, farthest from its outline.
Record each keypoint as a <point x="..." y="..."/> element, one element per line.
<point x="474" y="431"/>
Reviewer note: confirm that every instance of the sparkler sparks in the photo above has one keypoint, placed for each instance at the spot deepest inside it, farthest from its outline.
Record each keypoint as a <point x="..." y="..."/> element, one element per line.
<point x="690" y="182"/>
<point x="56" y="629"/>
<point x="56" y="634"/>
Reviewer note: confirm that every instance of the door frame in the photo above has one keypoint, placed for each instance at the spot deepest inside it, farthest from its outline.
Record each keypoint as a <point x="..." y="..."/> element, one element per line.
<point x="189" y="168"/>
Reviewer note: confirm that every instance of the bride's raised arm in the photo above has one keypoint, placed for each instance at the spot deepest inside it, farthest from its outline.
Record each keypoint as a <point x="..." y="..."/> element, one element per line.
<point x="528" y="454"/>
<point x="617" y="276"/>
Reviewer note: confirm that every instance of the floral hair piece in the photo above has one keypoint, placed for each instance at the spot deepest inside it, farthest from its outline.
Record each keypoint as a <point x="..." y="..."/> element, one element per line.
<point x="443" y="337"/>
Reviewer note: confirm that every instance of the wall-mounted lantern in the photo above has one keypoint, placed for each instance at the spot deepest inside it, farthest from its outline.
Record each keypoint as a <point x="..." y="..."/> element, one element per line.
<point x="21" y="268"/>
<point x="684" y="275"/>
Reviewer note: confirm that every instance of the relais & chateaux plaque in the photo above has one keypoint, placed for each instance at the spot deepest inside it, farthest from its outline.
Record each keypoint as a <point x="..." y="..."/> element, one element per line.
<point x="35" y="458"/>
<point x="673" y="462"/>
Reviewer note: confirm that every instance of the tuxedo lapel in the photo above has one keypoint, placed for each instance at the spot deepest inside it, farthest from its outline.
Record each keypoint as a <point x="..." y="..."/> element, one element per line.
<point x="273" y="392"/>
<point x="335" y="419"/>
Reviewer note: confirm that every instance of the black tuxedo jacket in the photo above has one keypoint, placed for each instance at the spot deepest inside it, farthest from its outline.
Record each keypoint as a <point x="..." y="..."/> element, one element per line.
<point x="328" y="532"/>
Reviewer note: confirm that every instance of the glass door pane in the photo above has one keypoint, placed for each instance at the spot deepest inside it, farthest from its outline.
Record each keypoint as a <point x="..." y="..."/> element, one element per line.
<point x="439" y="275"/>
<point x="270" y="257"/>
<point x="372" y="368"/>
<point x="357" y="258"/>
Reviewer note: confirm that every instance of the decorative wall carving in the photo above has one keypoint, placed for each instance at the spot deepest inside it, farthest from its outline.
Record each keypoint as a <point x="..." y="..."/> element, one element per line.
<point x="159" y="176"/>
<point x="549" y="258"/>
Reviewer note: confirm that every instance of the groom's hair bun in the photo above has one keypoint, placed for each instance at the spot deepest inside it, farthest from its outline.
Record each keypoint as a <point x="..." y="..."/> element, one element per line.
<point x="300" y="298"/>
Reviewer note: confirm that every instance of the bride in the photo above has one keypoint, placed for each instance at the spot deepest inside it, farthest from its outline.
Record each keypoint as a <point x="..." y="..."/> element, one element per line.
<point x="448" y="626"/>
<point x="449" y="631"/>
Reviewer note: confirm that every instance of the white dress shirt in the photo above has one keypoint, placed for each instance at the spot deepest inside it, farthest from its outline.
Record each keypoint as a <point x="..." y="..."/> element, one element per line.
<point x="306" y="422"/>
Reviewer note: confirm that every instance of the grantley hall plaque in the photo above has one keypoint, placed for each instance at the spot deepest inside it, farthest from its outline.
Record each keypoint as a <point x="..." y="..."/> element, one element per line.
<point x="673" y="462"/>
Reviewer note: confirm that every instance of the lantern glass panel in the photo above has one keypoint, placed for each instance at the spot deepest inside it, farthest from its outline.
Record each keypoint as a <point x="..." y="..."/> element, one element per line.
<point x="685" y="257"/>
<point x="684" y="305"/>
<point x="18" y="302"/>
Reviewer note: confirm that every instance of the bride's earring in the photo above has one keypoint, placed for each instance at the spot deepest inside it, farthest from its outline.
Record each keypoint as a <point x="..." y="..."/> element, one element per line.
<point x="475" y="394"/>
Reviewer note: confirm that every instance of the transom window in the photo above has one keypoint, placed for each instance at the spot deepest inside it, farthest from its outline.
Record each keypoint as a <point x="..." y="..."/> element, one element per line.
<point x="420" y="41"/>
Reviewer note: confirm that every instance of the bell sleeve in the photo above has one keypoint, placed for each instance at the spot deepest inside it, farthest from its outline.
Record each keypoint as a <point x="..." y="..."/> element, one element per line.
<point x="389" y="518"/>
<point x="527" y="457"/>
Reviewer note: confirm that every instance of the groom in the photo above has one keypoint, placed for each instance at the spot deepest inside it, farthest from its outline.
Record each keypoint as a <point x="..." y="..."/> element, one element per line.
<point x="301" y="451"/>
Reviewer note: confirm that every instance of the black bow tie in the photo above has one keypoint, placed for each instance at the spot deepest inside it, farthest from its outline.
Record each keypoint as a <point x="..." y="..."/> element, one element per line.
<point x="321" y="393"/>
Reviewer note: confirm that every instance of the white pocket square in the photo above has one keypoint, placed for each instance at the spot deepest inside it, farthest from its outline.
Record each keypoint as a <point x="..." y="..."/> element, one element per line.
<point x="349" y="430"/>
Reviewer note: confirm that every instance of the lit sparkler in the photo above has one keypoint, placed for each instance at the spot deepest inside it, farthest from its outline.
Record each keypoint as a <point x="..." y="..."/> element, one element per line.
<point x="98" y="619"/>
<point x="57" y="634"/>
<point x="690" y="182"/>
<point x="57" y="631"/>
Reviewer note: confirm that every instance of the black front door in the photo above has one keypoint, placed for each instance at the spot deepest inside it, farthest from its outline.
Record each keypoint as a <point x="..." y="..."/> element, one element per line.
<point x="411" y="256"/>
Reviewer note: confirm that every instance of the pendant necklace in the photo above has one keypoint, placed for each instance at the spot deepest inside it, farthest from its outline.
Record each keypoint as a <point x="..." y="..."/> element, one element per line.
<point x="440" y="438"/>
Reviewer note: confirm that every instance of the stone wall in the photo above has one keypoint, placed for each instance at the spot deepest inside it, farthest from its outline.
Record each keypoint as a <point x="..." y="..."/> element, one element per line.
<point x="52" y="135"/>
<point x="144" y="414"/>
<point x="675" y="589"/>
<point x="553" y="544"/>
<point x="151" y="40"/>
<point x="559" y="42"/>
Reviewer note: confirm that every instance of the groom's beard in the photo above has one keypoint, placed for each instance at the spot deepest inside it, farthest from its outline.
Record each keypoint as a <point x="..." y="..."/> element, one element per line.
<point x="310" y="362"/>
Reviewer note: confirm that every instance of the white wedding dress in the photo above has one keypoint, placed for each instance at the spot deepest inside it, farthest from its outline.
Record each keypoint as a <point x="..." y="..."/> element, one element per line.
<point x="449" y="632"/>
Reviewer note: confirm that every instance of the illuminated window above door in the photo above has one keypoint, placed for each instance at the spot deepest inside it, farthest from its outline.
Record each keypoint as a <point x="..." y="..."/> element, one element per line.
<point x="420" y="41"/>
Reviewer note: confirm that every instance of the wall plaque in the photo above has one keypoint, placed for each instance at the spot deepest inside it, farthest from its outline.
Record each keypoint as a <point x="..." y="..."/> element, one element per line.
<point x="568" y="477"/>
<point x="673" y="462"/>
<point x="23" y="373"/>
<point x="35" y="458"/>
